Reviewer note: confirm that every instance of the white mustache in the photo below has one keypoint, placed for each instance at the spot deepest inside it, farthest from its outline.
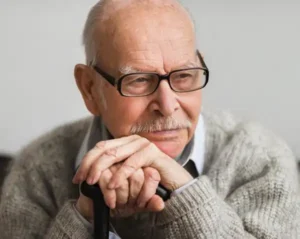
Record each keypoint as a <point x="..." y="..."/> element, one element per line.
<point x="160" y="124"/>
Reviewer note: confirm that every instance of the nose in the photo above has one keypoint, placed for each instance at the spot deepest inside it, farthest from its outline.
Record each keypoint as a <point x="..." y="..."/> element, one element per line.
<point x="166" y="100"/>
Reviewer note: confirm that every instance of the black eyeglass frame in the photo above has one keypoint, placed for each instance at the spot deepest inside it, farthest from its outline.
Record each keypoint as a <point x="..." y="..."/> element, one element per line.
<point x="118" y="83"/>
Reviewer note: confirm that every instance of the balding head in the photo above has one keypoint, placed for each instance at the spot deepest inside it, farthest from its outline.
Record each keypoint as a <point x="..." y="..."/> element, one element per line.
<point x="106" y="13"/>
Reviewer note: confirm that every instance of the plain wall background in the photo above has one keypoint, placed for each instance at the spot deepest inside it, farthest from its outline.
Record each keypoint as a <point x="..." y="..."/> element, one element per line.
<point x="251" y="47"/>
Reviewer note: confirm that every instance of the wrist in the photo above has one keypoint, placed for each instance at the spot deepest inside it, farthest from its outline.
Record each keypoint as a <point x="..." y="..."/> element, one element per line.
<point x="186" y="178"/>
<point x="83" y="211"/>
<point x="173" y="175"/>
<point x="180" y="181"/>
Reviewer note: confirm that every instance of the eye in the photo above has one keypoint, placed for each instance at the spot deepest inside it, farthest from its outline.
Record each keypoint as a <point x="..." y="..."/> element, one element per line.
<point x="185" y="75"/>
<point x="141" y="80"/>
<point x="180" y="76"/>
<point x="138" y="80"/>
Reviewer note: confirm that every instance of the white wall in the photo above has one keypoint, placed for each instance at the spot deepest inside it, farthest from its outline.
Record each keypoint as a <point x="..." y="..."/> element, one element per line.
<point x="251" y="47"/>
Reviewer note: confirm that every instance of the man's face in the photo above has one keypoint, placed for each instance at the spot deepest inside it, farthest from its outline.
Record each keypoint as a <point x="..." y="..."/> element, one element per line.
<point x="148" y="41"/>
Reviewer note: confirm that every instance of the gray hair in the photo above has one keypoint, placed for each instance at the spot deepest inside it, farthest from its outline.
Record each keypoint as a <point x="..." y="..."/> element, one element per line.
<point x="160" y="124"/>
<point x="89" y="30"/>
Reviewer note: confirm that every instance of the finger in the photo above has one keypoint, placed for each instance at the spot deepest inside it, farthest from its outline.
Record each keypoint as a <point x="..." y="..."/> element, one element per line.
<point x="145" y="157"/>
<point x="113" y="156"/>
<point x="109" y="195"/>
<point x="122" y="194"/>
<point x="151" y="182"/>
<point x="96" y="152"/>
<point x="155" y="204"/>
<point x="136" y="182"/>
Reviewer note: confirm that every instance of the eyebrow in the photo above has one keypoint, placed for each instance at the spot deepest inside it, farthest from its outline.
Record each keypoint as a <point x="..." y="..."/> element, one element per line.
<point x="130" y="69"/>
<point x="190" y="64"/>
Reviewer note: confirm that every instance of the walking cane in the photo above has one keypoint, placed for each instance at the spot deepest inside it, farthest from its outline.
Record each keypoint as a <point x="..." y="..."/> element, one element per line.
<point x="101" y="211"/>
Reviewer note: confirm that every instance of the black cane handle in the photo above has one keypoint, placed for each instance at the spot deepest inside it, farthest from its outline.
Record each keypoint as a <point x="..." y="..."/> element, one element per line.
<point x="164" y="193"/>
<point x="101" y="211"/>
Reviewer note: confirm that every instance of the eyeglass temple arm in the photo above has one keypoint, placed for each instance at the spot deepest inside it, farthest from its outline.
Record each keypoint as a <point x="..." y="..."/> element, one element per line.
<point x="201" y="60"/>
<point x="108" y="77"/>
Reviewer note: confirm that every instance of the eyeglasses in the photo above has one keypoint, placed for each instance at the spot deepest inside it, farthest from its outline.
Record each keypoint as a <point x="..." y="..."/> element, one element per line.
<point x="146" y="83"/>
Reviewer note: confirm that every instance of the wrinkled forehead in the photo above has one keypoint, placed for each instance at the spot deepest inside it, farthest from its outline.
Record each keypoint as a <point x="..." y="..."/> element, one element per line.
<point x="160" y="37"/>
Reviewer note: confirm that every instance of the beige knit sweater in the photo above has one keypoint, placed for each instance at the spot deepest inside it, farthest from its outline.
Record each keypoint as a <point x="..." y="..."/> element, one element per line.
<point x="249" y="189"/>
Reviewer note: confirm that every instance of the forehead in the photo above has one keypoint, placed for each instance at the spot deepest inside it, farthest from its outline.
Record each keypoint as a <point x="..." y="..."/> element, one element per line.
<point x="149" y="39"/>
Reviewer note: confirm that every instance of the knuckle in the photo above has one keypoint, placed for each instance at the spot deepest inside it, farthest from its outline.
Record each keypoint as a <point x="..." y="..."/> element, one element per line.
<point x="128" y="168"/>
<point x="152" y="174"/>
<point x="124" y="186"/>
<point x="138" y="176"/>
<point x="105" y="178"/>
<point x="101" y="145"/>
<point x="111" y="152"/>
<point x="114" y="168"/>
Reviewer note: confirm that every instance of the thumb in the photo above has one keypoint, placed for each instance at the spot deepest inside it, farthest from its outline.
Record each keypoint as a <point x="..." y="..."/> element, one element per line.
<point x="155" y="204"/>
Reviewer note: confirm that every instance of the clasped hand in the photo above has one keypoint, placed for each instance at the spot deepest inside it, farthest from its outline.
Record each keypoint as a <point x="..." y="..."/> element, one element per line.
<point x="128" y="171"/>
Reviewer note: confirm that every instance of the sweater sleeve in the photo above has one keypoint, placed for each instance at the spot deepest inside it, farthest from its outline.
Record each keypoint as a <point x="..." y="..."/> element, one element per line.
<point x="228" y="204"/>
<point x="28" y="209"/>
<point x="67" y="224"/>
<point x="198" y="212"/>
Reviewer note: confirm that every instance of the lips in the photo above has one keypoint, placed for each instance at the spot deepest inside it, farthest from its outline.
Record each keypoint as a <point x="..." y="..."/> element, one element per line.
<point x="162" y="135"/>
<point x="172" y="131"/>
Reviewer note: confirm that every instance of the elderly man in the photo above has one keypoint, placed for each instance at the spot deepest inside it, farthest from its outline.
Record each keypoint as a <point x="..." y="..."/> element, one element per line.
<point x="142" y="83"/>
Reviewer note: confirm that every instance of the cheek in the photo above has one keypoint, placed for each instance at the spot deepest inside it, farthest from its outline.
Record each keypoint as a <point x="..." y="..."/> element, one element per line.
<point x="122" y="113"/>
<point x="191" y="104"/>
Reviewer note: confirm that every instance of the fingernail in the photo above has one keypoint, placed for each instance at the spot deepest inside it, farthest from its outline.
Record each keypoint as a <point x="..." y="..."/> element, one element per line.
<point x="89" y="181"/>
<point x="96" y="177"/>
<point x="94" y="180"/>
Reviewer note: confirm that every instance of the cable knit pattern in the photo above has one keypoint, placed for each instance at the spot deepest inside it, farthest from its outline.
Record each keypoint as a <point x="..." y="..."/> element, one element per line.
<point x="249" y="189"/>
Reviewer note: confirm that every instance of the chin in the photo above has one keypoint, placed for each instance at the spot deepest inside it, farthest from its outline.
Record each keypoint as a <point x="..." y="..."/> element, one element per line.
<point x="170" y="142"/>
<point x="172" y="149"/>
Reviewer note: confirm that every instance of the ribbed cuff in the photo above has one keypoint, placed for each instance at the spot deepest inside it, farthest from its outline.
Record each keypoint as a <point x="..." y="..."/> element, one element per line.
<point x="179" y="190"/>
<point x="68" y="221"/>
<point x="194" y="196"/>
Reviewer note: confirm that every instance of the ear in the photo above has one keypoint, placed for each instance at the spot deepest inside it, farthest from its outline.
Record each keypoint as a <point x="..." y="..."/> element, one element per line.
<point x="85" y="82"/>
